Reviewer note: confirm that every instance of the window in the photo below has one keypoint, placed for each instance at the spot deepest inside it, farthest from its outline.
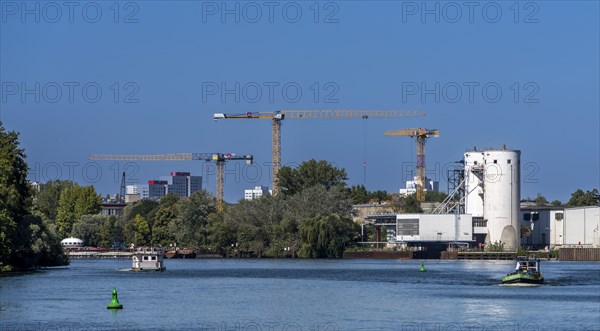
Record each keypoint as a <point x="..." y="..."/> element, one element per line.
<point x="558" y="216"/>
<point x="527" y="217"/>
<point x="508" y="161"/>
<point x="154" y="258"/>
<point x="535" y="217"/>
<point x="408" y="227"/>
<point x="145" y="258"/>
<point x="495" y="161"/>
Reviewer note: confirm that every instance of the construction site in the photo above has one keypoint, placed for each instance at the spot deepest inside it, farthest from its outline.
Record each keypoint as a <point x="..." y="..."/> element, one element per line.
<point x="481" y="212"/>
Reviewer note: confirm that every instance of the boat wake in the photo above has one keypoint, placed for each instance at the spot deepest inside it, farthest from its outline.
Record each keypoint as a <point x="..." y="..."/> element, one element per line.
<point x="520" y="285"/>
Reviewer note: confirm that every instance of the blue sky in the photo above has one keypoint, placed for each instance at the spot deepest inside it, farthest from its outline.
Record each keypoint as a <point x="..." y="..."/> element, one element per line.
<point x="526" y="76"/>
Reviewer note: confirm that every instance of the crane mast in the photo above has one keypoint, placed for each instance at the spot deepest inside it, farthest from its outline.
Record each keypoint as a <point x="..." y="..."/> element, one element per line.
<point x="421" y="135"/>
<point x="278" y="116"/>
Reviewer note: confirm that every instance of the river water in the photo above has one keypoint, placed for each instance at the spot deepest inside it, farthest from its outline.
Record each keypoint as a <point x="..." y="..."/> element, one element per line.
<point x="239" y="295"/>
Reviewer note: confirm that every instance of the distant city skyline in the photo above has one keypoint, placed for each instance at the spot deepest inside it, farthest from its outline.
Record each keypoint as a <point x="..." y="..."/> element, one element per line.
<point x="148" y="79"/>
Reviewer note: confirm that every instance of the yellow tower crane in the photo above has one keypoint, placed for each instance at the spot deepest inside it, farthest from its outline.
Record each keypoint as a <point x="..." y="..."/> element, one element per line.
<point x="219" y="158"/>
<point x="277" y="116"/>
<point x="422" y="135"/>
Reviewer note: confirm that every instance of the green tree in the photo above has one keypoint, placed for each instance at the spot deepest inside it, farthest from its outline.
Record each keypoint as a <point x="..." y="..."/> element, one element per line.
<point x="109" y="233"/>
<point x="359" y="194"/>
<point x="87" y="202"/>
<point x="326" y="236"/>
<point x="308" y="174"/>
<point x="410" y="205"/>
<point x="378" y="196"/>
<point x="580" y="198"/>
<point x="37" y="245"/>
<point x="7" y="232"/>
<point x="432" y="196"/>
<point x="285" y="240"/>
<point x="540" y="200"/>
<point x="15" y="195"/>
<point x="141" y="230"/>
<point x="145" y="208"/>
<point x="222" y="235"/>
<point x="46" y="200"/>
<point x="165" y="215"/>
<point x="253" y="221"/>
<point x="88" y="229"/>
<point x="25" y="240"/>
<point x="318" y="201"/>
<point x="65" y="214"/>
<point x="74" y="202"/>
<point x="556" y="203"/>
<point x="191" y="226"/>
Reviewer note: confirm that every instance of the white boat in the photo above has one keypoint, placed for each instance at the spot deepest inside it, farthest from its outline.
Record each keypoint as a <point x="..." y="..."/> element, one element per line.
<point x="147" y="259"/>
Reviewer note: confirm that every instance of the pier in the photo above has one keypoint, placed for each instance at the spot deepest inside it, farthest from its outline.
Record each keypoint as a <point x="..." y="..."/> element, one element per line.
<point x="99" y="255"/>
<point x="449" y="255"/>
<point x="579" y="254"/>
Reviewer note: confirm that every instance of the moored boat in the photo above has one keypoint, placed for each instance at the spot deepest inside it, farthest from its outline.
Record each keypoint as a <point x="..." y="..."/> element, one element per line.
<point x="171" y="254"/>
<point x="186" y="253"/>
<point x="147" y="259"/>
<point x="527" y="271"/>
<point x="180" y="253"/>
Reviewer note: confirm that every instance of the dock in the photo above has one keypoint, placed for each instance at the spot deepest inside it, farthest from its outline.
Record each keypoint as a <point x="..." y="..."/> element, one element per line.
<point x="99" y="255"/>
<point x="579" y="254"/>
<point x="447" y="255"/>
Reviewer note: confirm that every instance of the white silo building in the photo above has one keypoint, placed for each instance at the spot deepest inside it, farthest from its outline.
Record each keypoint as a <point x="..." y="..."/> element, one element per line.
<point x="501" y="196"/>
<point x="473" y="183"/>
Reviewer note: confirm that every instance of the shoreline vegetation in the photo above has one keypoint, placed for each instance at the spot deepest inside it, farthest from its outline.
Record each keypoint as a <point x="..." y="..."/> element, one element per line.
<point x="27" y="241"/>
<point x="311" y="217"/>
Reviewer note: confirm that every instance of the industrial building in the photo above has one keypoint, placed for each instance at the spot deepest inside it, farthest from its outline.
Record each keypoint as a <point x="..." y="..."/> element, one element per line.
<point x="492" y="193"/>
<point x="537" y="223"/>
<point x="483" y="207"/>
<point x="412" y="228"/>
<point x="554" y="227"/>
<point x="580" y="227"/>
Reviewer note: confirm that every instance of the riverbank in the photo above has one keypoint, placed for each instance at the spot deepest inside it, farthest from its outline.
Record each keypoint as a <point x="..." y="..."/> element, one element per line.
<point x="564" y="254"/>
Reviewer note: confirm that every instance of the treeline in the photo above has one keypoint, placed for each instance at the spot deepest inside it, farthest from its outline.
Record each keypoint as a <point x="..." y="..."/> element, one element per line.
<point x="579" y="198"/>
<point x="26" y="240"/>
<point x="311" y="218"/>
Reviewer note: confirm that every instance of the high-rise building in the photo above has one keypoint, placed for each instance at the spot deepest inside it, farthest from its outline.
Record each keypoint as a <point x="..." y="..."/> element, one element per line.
<point x="182" y="184"/>
<point x="157" y="188"/>
<point x="257" y="192"/>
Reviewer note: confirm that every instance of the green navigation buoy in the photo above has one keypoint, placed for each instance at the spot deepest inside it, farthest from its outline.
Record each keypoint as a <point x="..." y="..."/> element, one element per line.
<point x="114" y="303"/>
<point x="423" y="267"/>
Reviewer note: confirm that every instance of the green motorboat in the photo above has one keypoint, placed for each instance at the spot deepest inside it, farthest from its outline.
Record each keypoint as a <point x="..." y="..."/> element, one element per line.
<point x="526" y="272"/>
